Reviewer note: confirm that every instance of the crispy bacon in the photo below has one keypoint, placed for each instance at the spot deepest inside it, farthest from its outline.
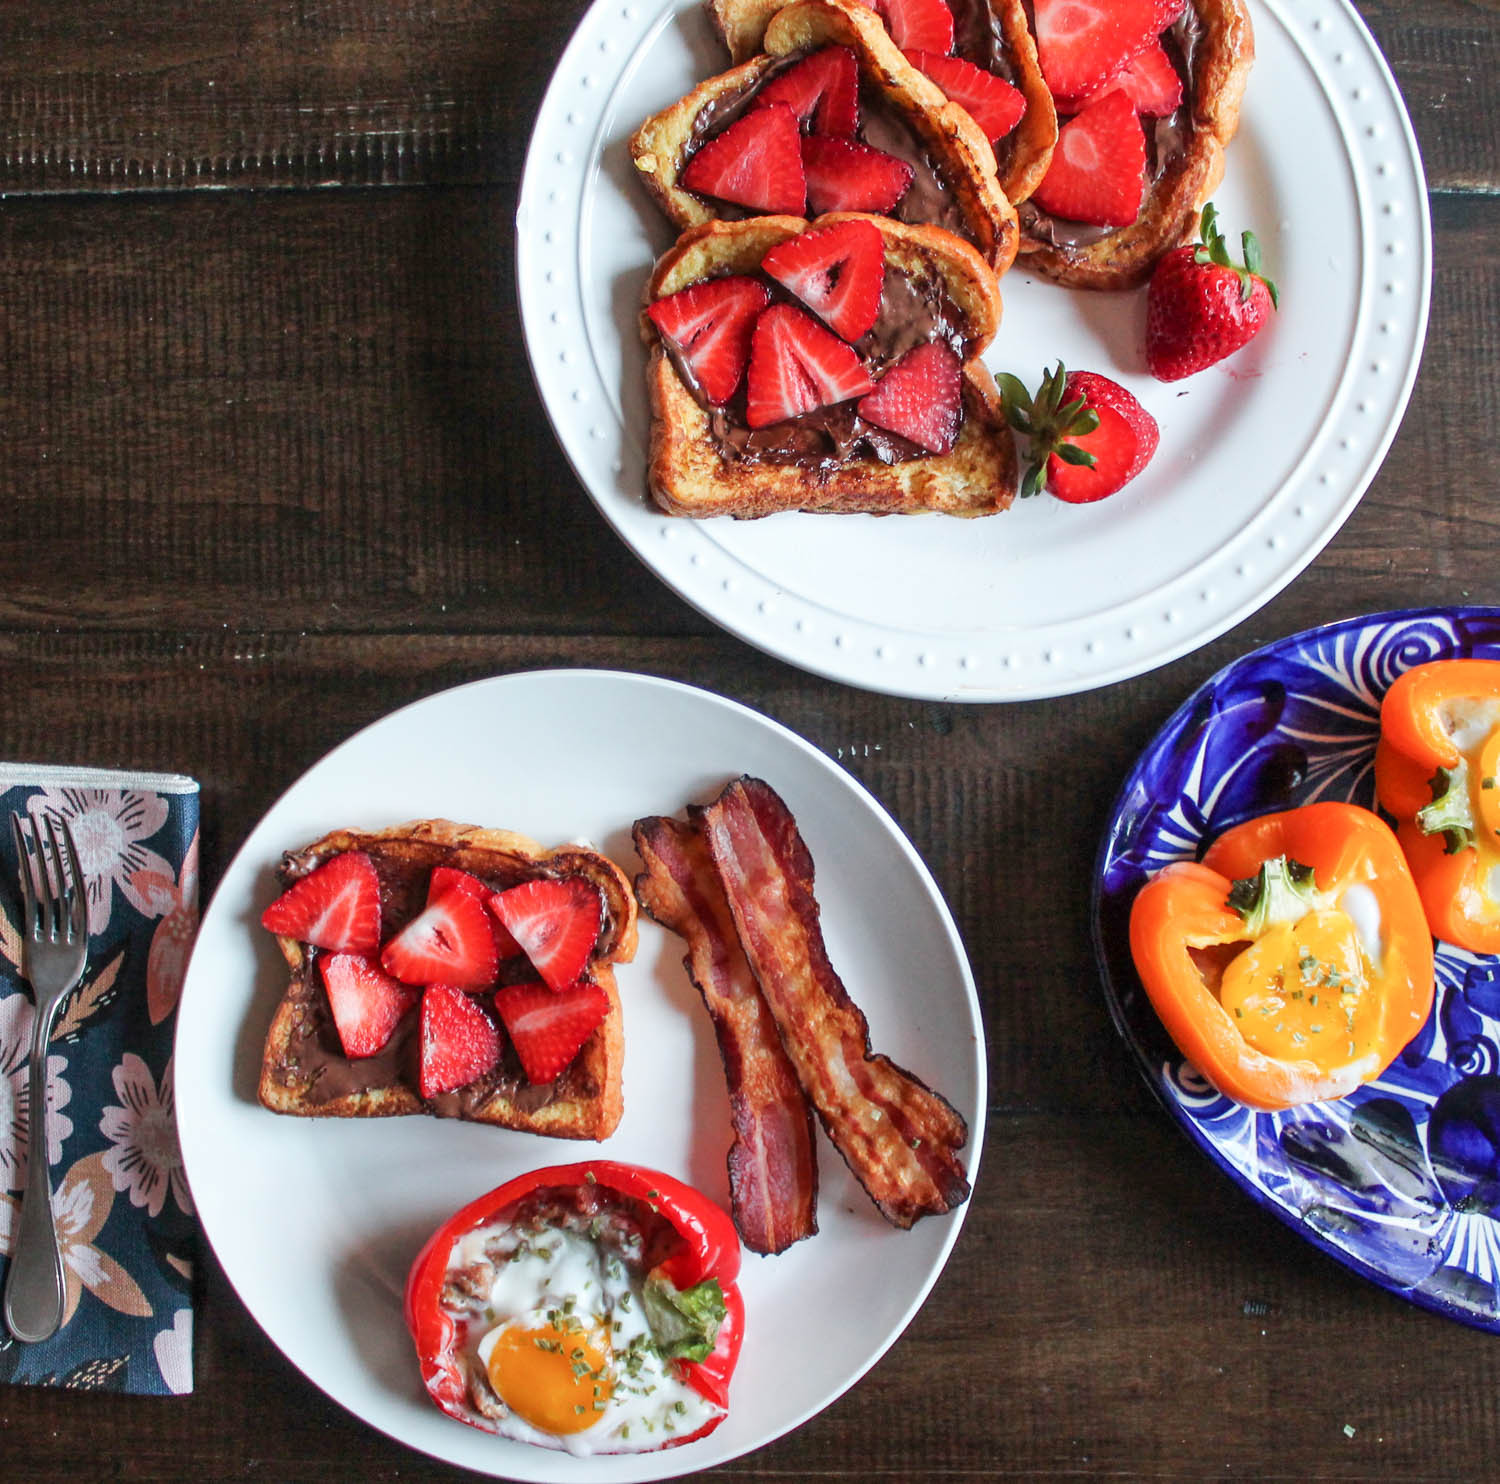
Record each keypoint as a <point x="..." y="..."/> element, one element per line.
<point x="898" y="1136"/>
<point x="773" y="1168"/>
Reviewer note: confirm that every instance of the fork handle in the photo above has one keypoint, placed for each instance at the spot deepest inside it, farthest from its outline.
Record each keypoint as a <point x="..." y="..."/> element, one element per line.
<point x="34" y="1281"/>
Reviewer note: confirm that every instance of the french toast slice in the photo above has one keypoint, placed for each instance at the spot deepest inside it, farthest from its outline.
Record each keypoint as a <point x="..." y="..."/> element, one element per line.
<point x="955" y="187"/>
<point x="990" y="34"/>
<point x="1214" y="46"/>
<point x="696" y="467"/>
<point x="304" y="1071"/>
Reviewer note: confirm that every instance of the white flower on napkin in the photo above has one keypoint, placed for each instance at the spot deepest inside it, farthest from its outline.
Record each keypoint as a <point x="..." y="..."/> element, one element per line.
<point x="16" y="1016"/>
<point x="108" y="826"/>
<point x="174" y="1353"/>
<point x="146" y="1160"/>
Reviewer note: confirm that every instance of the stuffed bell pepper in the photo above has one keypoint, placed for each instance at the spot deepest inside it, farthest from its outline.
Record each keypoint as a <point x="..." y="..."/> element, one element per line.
<point x="1294" y="962"/>
<point x="588" y="1307"/>
<point x="1437" y="773"/>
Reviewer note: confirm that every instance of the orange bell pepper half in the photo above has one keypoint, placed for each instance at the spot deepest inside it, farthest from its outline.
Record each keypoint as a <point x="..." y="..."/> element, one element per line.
<point x="1294" y="962"/>
<point x="1437" y="773"/>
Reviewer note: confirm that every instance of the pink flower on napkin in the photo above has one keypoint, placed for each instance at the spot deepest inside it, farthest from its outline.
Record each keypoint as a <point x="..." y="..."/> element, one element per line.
<point x="146" y="1161"/>
<point x="16" y="1016"/>
<point x="176" y="903"/>
<point x="108" y="826"/>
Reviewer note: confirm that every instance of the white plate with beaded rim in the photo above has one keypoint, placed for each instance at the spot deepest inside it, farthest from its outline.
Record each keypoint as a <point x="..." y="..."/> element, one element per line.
<point x="1261" y="459"/>
<point x="565" y="755"/>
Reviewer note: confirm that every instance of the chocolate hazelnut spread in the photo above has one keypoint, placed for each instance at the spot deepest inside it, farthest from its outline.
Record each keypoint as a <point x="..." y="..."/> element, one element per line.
<point x="314" y="1055"/>
<point x="1167" y="140"/>
<point x="914" y="309"/>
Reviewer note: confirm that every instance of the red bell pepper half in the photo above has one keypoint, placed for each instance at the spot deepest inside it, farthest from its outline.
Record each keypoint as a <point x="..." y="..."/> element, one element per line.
<point x="701" y="1247"/>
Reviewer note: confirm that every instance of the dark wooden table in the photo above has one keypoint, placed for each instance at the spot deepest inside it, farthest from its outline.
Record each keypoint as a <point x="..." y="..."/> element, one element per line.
<point x="273" y="465"/>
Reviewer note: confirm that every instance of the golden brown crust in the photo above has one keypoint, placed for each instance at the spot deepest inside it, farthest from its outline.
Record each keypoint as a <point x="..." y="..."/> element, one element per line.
<point x="742" y="24"/>
<point x="687" y="474"/>
<point x="590" y="1100"/>
<point x="1125" y="258"/>
<point x="950" y="137"/>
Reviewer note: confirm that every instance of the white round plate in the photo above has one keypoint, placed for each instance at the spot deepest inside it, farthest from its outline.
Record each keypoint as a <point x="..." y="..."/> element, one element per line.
<point x="1261" y="459"/>
<point x="316" y="1222"/>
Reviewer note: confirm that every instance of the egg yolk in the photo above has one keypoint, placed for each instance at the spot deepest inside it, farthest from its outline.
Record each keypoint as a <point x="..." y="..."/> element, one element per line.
<point x="1298" y="991"/>
<point x="557" y="1379"/>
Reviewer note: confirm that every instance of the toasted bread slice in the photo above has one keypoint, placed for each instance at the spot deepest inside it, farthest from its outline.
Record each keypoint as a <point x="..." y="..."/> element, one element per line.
<point x="992" y="34"/>
<point x="1222" y="49"/>
<point x="691" y="474"/>
<point x="960" y="156"/>
<point x="303" y="1069"/>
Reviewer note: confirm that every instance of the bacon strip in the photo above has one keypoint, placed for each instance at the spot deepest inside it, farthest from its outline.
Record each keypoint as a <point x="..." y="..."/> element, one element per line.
<point x="898" y="1136"/>
<point x="773" y="1167"/>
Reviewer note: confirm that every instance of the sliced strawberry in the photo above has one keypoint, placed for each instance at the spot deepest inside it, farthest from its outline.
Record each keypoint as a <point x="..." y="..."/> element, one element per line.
<point x="366" y="1002"/>
<point x="1148" y="79"/>
<point x="990" y="101"/>
<point x="549" y="1026"/>
<point x="336" y="906"/>
<point x="710" y="324"/>
<point x="755" y="162"/>
<point x="450" y="878"/>
<point x="1098" y="169"/>
<point x="1080" y="44"/>
<point x="796" y="366"/>
<point x="459" y="1041"/>
<point x="919" y="397"/>
<point x="449" y="942"/>
<point x="838" y="272"/>
<point x="843" y="175"/>
<point x="916" y="25"/>
<point x="556" y="922"/>
<point x="822" y="90"/>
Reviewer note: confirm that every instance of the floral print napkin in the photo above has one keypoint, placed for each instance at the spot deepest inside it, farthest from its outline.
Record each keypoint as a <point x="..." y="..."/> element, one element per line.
<point x="123" y="1211"/>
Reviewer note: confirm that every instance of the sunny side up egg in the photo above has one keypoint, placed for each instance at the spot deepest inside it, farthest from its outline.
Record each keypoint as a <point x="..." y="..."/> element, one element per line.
<point x="562" y="1342"/>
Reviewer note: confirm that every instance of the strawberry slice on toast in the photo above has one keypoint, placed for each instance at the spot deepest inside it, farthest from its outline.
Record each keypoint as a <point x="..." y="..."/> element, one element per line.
<point x="549" y="1026"/>
<point x="710" y="324"/>
<point x="459" y="1041"/>
<point x="556" y="921"/>
<point x="1148" y="79"/>
<point x="1082" y="43"/>
<point x="822" y="90"/>
<point x="837" y="271"/>
<point x="797" y="366"/>
<point x="367" y="1003"/>
<point x="336" y="906"/>
<point x="450" y="878"/>
<point x="843" y="175"/>
<point x="919" y="398"/>
<point x="1098" y="169"/>
<point x="916" y="25"/>
<point x="450" y="941"/>
<point x="990" y="101"/>
<point x="755" y="162"/>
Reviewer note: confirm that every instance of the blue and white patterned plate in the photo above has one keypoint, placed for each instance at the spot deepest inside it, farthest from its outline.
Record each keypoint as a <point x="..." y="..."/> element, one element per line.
<point x="1399" y="1181"/>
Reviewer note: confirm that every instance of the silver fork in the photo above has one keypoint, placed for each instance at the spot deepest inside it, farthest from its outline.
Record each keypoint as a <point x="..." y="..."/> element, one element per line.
<point x="55" y="943"/>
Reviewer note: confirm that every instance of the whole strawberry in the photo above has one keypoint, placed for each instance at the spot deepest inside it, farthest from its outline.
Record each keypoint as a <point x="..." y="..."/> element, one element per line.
<point x="1202" y="306"/>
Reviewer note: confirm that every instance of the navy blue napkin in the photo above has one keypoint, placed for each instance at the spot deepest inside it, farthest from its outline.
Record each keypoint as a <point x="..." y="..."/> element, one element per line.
<point x="123" y="1210"/>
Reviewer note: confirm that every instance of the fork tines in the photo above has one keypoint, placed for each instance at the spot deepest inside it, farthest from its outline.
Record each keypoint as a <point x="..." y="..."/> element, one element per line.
<point x="53" y="898"/>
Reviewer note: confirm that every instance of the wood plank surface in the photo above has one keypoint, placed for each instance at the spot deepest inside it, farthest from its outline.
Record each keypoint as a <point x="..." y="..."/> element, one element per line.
<point x="272" y="465"/>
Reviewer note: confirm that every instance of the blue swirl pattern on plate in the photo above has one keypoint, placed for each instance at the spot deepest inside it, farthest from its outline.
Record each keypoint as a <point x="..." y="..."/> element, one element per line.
<point x="1400" y="1181"/>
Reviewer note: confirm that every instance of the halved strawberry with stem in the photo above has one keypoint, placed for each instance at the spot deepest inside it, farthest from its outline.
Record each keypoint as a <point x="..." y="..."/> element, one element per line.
<point x="1089" y="436"/>
<point x="367" y="1003"/>
<point x="1098" y="169"/>
<point x="990" y="101"/>
<point x="556" y="922"/>
<point x="549" y="1026"/>
<point x="450" y="941"/>
<point x="916" y="25"/>
<point x="1082" y="43"/>
<point x="1148" y="79"/>
<point x="710" y="324"/>
<point x="837" y="271"/>
<point x="821" y="89"/>
<point x="459" y="1041"/>
<point x="920" y="397"/>
<point x="450" y="878"/>
<point x="755" y="162"/>
<point x="797" y="366"/>
<point x="844" y="175"/>
<point x="337" y="906"/>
